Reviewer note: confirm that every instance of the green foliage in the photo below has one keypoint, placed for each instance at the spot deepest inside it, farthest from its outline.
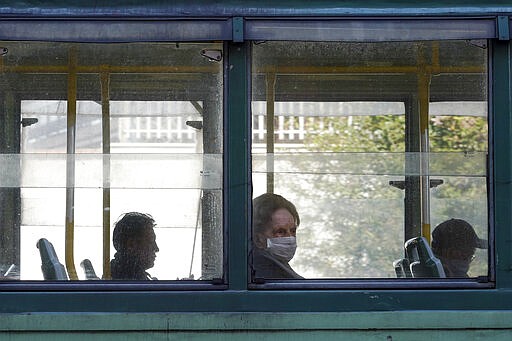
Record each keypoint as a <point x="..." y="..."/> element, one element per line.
<point x="458" y="133"/>
<point x="353" y="222"/>
<point x="358" y="134"/>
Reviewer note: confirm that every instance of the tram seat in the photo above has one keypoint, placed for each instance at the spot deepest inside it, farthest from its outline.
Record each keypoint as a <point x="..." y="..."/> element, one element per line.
<point x="402" y="268"/>
<point x="50" y="266"/>
<point x="90" y="274"/>
<point x="423" y="263"/>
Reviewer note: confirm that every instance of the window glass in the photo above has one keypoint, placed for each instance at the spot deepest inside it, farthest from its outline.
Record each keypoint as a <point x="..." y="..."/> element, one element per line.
<point x="463" y="193"/>
<point x="119" y="161"/>
<point x="369" y="160"/>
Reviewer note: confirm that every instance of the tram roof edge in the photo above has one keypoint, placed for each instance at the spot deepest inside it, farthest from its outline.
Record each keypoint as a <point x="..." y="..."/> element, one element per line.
<point x="250" y="8"/>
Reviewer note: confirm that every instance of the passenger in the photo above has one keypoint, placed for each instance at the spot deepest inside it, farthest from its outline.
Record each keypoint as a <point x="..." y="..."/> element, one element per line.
<point x="275" y="222"/>
<point x="135" y="242"/>
<point x="454" y="242"/>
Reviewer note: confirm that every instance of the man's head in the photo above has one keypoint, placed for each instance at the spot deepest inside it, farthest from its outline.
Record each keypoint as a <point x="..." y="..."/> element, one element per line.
<point x="454" y="242"/>
<point x="273" y="216"/>
<point x="134" y="236"/>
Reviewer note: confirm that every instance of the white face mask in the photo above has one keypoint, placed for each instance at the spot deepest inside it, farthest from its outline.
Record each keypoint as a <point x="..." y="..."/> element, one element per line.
<point x="282" y="247"/>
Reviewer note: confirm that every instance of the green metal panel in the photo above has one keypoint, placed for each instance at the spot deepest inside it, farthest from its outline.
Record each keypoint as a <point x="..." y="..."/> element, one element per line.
<point x="430" y="335"/>
<point x="453" y="325"/>
<point x="256" y="301"/>
<point x="183" y="8"/>
<point x="238" y="139"/>
<point x="502" y="139"/>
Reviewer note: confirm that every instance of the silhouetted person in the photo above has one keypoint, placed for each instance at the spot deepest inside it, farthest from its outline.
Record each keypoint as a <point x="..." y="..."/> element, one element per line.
<point x="454" y="242"/>
<point x="275" y="222"/>
<point x="135" y="242"/>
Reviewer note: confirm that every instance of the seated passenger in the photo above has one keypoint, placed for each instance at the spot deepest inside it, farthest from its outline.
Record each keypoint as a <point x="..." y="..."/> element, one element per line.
<point x="275" y="222"/>
<point x="454" y="242"/>
<point x="135" y="243"/>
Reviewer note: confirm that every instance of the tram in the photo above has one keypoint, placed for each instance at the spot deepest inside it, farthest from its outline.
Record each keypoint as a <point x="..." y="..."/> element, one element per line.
<point x="381" y="125"/>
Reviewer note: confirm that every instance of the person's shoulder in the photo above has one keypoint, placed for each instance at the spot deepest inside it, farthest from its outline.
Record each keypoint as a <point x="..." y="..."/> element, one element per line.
<point x="267" y="266"/>
<point x="260" y="256"/>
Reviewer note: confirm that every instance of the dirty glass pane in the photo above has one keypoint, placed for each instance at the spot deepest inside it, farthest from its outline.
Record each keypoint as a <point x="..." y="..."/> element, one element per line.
<point x="106" y="130"/>
<point x="374" y="145"/>
<point x="367" y="30"/>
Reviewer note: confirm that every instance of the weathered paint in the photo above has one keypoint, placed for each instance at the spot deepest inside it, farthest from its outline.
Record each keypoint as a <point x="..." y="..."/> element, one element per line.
<point x="413" y="325"/>
<point x="184" y="8"/>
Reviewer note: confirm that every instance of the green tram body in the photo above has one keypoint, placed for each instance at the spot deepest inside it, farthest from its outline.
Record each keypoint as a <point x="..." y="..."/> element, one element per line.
<point x="231" y="306"/>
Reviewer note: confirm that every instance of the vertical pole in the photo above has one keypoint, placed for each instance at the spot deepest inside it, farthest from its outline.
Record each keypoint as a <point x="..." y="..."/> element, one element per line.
<point x="212" y="236"/>
<point x="105" y="132"/>
<point x="417" y="185"/>
<point x="424" y="100"/>
<point x="271" y="84"/>
<point x="423" y="90"/>
<point x="70" y="164"/>
<point x="412" y="196"/>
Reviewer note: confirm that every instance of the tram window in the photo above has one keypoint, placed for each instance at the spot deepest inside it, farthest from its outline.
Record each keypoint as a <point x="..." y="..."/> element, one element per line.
<point x="145" y="136"/>
<point x="375" y="144"/>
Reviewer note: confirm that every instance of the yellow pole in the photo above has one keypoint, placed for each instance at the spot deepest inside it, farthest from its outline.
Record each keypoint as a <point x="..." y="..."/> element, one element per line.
<point x="70" y="165"/>
<point x="271" y="83"/>
<point x="105" y="114"/>
<point x="424" y="100"/>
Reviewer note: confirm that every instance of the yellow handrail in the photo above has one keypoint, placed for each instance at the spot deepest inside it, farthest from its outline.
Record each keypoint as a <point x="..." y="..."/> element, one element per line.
<point x="70" y="166"/>
<point x="105" y="110"/>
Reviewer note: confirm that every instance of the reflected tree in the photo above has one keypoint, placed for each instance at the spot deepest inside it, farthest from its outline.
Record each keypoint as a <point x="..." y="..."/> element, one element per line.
<point x="352" y="220"/>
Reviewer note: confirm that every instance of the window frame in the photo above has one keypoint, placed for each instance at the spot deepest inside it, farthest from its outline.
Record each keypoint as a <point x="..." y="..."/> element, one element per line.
<point x="110" y="285"/>
<point x="480" y="282"/>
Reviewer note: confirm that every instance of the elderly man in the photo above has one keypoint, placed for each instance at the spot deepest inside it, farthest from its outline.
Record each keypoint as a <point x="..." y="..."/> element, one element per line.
<point x="135" y="242"/>
<point x="275" y="222"/>
<point x="454" y="242"/>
